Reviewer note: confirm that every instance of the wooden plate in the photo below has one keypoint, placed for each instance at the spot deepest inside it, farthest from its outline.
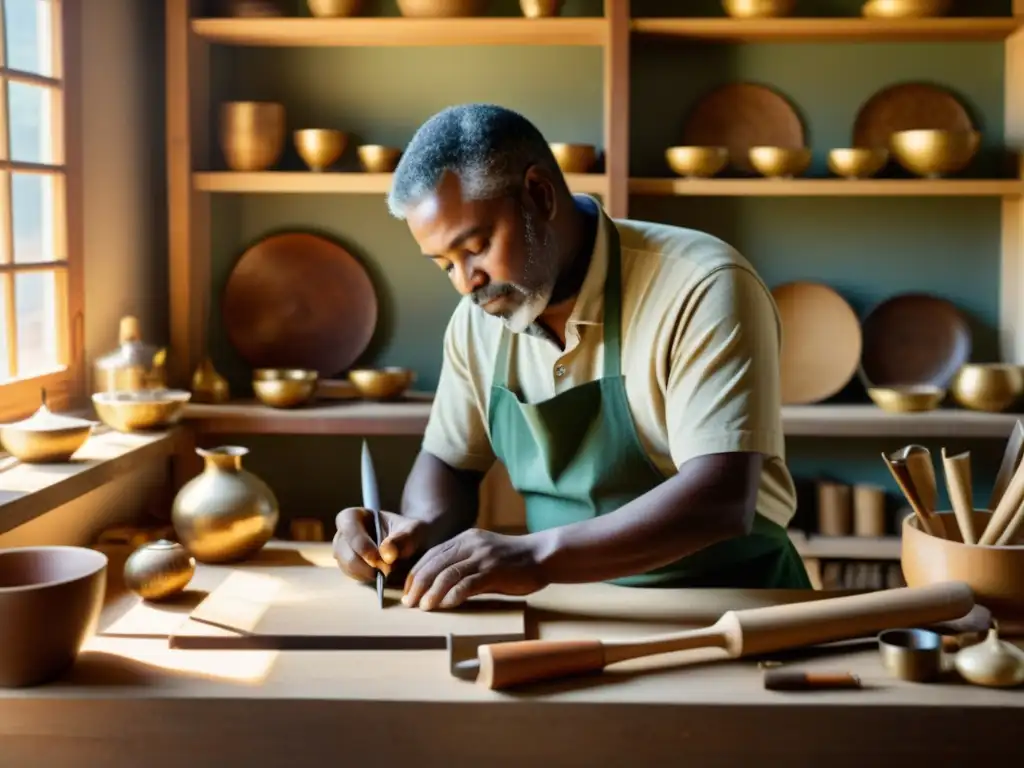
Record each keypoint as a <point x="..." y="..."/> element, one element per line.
<point x="297" y="300"/>
<point x="908" y="107"/>
<point x="914" y="338"/>
<point x="740" y="116"/>
<point x="821" y="342"/>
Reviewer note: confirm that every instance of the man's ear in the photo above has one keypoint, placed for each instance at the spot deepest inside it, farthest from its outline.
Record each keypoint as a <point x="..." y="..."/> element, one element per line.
<point x="540" y="192"/>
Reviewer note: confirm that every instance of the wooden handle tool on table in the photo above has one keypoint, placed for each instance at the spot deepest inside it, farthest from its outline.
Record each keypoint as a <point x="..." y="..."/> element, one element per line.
<point x="746" y="632"/>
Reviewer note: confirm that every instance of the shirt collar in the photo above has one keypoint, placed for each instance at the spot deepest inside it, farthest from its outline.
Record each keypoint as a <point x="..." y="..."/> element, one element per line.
<point x="589" y="306"/>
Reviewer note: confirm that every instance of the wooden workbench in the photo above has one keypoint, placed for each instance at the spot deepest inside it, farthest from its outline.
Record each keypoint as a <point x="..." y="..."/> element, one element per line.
<point x="133" y="702"/>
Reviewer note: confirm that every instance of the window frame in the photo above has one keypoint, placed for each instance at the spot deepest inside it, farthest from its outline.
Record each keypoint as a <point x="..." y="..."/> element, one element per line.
<point x="65" y="387"/>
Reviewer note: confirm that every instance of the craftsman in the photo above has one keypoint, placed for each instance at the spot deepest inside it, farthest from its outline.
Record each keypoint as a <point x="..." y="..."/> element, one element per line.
<point x="626" y="374"/>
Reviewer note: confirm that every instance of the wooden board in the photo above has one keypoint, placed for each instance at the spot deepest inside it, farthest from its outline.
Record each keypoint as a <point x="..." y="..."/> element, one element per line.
<point x="319" y="608"/>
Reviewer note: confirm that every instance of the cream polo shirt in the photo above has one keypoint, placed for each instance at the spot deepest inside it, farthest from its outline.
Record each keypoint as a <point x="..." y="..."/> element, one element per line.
<point x="700" y="356"/>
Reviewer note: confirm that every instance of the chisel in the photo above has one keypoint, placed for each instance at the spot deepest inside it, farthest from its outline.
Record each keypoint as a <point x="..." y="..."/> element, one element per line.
<point x="371" y="501"/>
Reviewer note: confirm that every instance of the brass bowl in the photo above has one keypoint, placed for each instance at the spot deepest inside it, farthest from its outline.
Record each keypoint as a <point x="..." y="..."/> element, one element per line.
<point x="992" y="387"/>
<point x="909" y="399"/>
<point x="574" y="158"/>
<point x="375" y="158"/>
<point x="159" y="569"/>
<point x="697" y="162"/>
<point x="857" y="163"/>
<point x="539" y="9"/>
<point x="935" y="153"/>
<point x="382" y="383"/>
<point x="905" y="9"/>
<point x="141" y="410"/>
<point x="320" y="148"/>
<point x="283" y="387"/>
<point x="758" y="9"/>
<point x="251" y="134"/>
<point x="780" y="162"/>
<point x="436" y="9"/>
<point x="45" y="437"/>
<point x="327" y="9"/>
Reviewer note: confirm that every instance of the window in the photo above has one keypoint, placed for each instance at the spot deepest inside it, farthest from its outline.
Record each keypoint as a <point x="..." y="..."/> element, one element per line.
<point x="37" y="301"/>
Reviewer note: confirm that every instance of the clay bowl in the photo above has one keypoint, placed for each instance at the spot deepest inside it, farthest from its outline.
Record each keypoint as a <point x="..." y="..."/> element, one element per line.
<point x="320" y="148"/>
<point x="284" y="388"/>
<point x="857" y="163"/>
<point x="995" y="574"/>
<point x="381" y="383"/>
<point x="574" y="158"/>
<point x="758" y="9"/>
<point x="905" y="9"/>
<point x="142" y="410"/>
<point x="539" y="9"/>
<point x="251" y="134"/>
<point x="992" y="387"/>
<point x="697" y="162"/>
<point x="933" y="154"/>
<point x="50" y="602"/>
<point x="909" y="399"/>
<point x="375" y="158"/>
<point x="334" y="8"/>
<point x="780" y="162"/>
<point x="435" y="9"/>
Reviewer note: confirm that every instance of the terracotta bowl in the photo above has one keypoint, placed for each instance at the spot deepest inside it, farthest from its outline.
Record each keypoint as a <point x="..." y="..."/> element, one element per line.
<point x="50" y="602"/>
<point x="994" y="573"/>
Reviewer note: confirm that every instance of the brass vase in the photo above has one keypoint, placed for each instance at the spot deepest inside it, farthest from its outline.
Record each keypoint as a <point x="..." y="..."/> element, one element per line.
<point x="226" y="513"/>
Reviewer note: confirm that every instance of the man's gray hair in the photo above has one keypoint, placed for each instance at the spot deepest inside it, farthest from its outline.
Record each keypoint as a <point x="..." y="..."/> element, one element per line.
<point x="488" y="147"/>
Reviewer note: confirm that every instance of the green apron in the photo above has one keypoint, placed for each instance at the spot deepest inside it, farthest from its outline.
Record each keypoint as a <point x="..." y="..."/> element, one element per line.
<point x="578" y="455"/>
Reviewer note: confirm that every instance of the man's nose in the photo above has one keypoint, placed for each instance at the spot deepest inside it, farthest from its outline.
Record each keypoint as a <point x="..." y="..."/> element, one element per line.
<point x="468" y="279"/>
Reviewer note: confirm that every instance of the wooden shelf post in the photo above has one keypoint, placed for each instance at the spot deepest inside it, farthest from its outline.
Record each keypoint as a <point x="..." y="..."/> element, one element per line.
<point x="616" y="107"/>
<point x="1011" y="282"/>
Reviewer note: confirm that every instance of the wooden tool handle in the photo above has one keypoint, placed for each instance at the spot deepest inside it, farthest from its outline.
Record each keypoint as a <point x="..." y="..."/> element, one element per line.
<point x="1004" y="511"/>
<point x="503" y="665"/>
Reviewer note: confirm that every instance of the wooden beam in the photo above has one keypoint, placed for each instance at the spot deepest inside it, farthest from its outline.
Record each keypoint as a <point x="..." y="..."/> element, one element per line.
<point x="616" y="107"/>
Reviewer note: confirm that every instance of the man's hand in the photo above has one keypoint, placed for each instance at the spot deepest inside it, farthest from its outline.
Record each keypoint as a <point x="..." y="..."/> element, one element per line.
<point x="473" y="563"/>
<point x="354" y="547"/>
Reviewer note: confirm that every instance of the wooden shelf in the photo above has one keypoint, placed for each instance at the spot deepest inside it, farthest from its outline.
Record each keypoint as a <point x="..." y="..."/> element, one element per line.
<point x="330" y="182"/>
<point x="827" y="187"/>
<point x="814" y="30"/>
<point x="846" y="547"/>
<point x="871" y="421"/>
<point x="402" y="32"/>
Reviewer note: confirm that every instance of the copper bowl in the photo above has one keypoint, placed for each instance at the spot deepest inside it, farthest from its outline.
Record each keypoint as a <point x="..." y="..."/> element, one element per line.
<point x="574" y="158"/>
<point x="933" y="154"/>
<point x="857" y="163"/>
<point x="284" y="388"/>
<point x="780" y="162"/>
<point x="382" y="383"/>
<point x="697" y="162"/>
<point x="251" y="134"/>
<point x="909" y="399"/>
<point x="539" y="9"/>
<point x="142" y="410"/>
<point x="758" y="9"/>
<point x="436" y="9"/>
<point x="326" y="9"/>
<point x="375" y="158"/>
<point x="992" y="387"/>
<point x="995" y="574"/>
<point x="50" y="603"/>
<point x="905" y="9"/>
<point x="320" y="148"/>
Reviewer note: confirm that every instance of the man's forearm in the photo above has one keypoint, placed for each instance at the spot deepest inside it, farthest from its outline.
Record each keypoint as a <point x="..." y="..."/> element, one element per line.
<point x="444" y="498"/>
<point x="711" y="499"/>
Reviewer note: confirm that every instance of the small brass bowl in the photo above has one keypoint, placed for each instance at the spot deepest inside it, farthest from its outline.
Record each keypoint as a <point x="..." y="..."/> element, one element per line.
<point x="539" y="9"/>
<point x="158" y="570"/>
<point x="905" y="9"/>
<point x="992" y="387"/>
<point x="45" y="437"/>
<point x="911" y="654"/>
<point x="780" y="162"/>
<point x="574" y="158"/>
<point x="332" y="9"/>
<point x="933" y="154"/>
<point x="284" y="388"/>
<point x="857" y="163"/>
<point x="909" y="399"/>
<point x="252" y="134"/>
<point x="382" y="383"/>
<point x="320" y="148"/>
<point x="375" y="158"/>
<point x="436" y="9"/>
<point x="697" y="162"/>
<point x="141" y="410"/>
<point x="758" y="9"/>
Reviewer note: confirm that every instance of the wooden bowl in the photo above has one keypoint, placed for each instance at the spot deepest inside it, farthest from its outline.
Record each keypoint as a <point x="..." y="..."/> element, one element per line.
<point x="909" y="399"/>
<point x="320" y="148"/>
<point x="284" y="388"/>
<point x="436" y="9"/>
<point x="905" y="9"/>
<point x="780" y="162"/>
<point x="334" y="8"/>
<point x="758" y="9"/>
<point x="857" y="163"/>
<point x="381" y="383"/>
<point x="140" y="411"/>
<point x="50" y="602"/>
<point x="697" y="162"/>
<point x="251" y="134"/>
<point x="540" y="9"/>
<point x="933" y="154"/>
<point x="995" y="574"/>
<point x="375" y="158"/>
<point x="574" y="158"/>
<point x="992" y="387"/>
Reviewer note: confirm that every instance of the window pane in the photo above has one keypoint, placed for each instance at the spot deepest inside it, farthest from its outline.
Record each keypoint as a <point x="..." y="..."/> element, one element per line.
<point x="31" y="123"/>
<point x="29" y="35"/>
<point x="33" y="206"/>
<point x="36" y="305"/>
<point x="4" y="371"/>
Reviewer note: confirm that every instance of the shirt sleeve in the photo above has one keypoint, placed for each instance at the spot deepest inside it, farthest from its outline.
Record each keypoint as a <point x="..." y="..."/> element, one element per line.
<point x="456" y="431"/>
<point x="723" y="393"/>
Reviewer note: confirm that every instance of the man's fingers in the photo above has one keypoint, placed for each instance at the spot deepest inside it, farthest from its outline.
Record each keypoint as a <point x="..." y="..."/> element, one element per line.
<point x="398" y="545"/>
<point x="352" y="528"/>
<point x="440" y="597"/>
<point x="351" y="563"/>
<point x="427" y="570"/>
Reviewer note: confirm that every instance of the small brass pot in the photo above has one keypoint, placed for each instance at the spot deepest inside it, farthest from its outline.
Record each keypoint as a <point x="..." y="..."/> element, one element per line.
<point x="780" y="162"/>
<point x="539" y="9"/>
<point x="574" y="158"/>
<point x="697" y="162"/>
<point x="911" y="654"/>
<point x="284" y="388"/>
<point x="382" y="383"/>
<point x="758" y="9"/>
<point x="933" y="154"/>
<point x="857" y="163"/>
<point x="45" y="437"/>
<point x="141" y="411"/>
<point x="320" y="148"/>
<point x="905" y="9"/>
<point x="376" y="158"/>
<point x="251" y="134"/>
<point x="158" y="570"/>
<point x="992" y="387"/>
<point x="909" y="399"/>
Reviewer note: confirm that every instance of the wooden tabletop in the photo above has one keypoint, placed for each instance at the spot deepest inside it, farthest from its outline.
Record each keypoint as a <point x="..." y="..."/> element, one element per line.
<point x="133" y="701"/>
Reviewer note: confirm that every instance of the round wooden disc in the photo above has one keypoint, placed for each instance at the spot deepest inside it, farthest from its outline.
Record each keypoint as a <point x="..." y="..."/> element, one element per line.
<point x="740" y="116"/>
<point x="297" y="300"/>
<point x="821" y="342"/>
<point x="908" y="107"/>
<point x="914" y="338"/>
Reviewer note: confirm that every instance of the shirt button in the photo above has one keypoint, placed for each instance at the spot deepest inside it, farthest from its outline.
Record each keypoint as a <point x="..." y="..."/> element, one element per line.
<point x="559" y="370"/>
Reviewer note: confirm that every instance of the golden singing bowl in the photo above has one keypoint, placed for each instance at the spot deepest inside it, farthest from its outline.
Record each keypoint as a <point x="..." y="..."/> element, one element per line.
<point x="159" y="569"/>
<point x="780" y="162"/>
<point x="434" y="9"/>
<point x="251" y="134"/>
<point x="284" y="388"/>
<point x="909" y="399"/>
<point x="538" y="9"/>
<point x="992" y="387"/>
<point x="758" y="9"/>
<point x="141" y="410"/>
<point x="935" y="153"/>
<point x="375" y="158"/>
<point x="574" y="158"/>
<point x="860" y="163"/>
<point x="905" y="9"/>
<point x="381" y="383"/>
<point x="697" y="162"/>
<point x="320" y="148"/>
<point x="334" y="8"/>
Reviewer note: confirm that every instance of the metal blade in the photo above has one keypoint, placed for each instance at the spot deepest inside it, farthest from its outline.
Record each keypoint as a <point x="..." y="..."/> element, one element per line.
<point x="371" y="501"/>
